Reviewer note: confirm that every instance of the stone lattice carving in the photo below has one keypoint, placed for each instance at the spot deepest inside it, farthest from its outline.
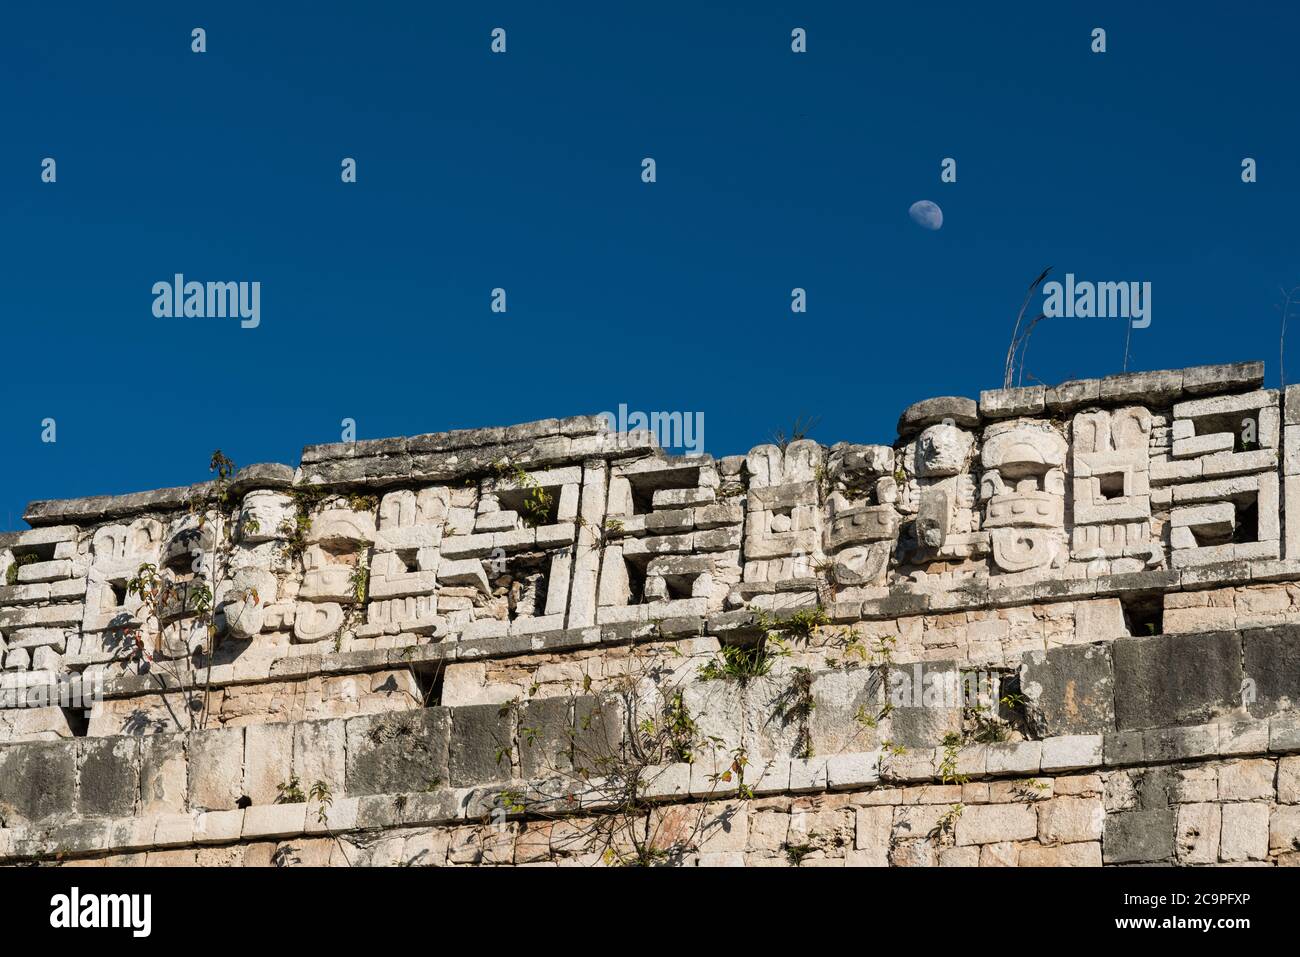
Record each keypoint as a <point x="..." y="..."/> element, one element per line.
<point x="672" y="540"/>
<point x="1222" y="464"/>
<point x="1110" y="471"/>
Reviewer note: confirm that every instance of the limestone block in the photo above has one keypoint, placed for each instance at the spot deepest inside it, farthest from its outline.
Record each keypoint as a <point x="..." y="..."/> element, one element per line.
<point x="274" y="821"/>
<point x="1170" y="680"/>
<point x="1086" y="854"/>
<point x="956" y="409"/>
<point x="1270" y="658"/>
<point x="392" y="577"/>
<point x="325" y="579"/>
<point x="1283" y="828"/>
<point x="108" y="777"/>
<point x="216" y="769"/>
<point x="1245" y="832"/>
<point x="872" y="828"/>
<point x="991" y="823"/>
<point x="342" y="528"/>
<point x="1198" y="833"/>
<point x="217" y="827"/>
<point x="1288" y="780"/>
<point x="1027" y="549"/>
<point x="1142" y="386"/>
<point x="1066" y="820"/>
<point x="118" y="551"/>
<point x="33" y="724"/>
<point x="37" y="781"/>
<point x="468" y="572"/>
<point x="1014" y="757"/>
<point x="163" y="774"/>
<point x="863" y="565"/>
<point x="415" y="614"/>
<point x="1007" y="403"/>
<point x="1071" y="395"/>
<point x="1134" y="837"/>
<point x="481" y="744"/>
<point x="1069" y="690"/>
<point x="397" y="753"/>
<point x="1222" y="405"/>
<point x="1246" y="780"/>
<point x="268" y="762"/>
<point x="1100" y="619"/>
<point x="1071" y="752"/>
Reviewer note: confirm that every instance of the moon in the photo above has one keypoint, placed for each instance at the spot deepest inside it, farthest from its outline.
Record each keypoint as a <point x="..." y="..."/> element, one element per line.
<point x="926" y="214"/>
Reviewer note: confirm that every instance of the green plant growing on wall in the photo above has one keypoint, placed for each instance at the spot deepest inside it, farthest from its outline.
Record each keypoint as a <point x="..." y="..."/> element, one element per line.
<point x="359" y="580"/>
<point x="165" y="594"/>
<point x="363" y="503"/>
<point x="25" y="558"/>
<point x="538" y="502"/>
<point x="290" y="791"/>
<point x="1032" y="789"/>
<point x="795" y="853"/>
<point x="293" y="531"/>
<point x="742" y="662"/>
<point x="952" y="745"/>
<point x="613" y="757"/>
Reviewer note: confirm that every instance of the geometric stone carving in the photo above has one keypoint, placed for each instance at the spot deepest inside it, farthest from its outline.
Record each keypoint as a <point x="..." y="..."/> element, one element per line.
<point x="781" y="520"/>
<point x="1111" y="467"/>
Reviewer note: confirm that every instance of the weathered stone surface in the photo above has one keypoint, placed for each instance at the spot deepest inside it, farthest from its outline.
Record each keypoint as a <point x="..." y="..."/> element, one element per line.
<point x="1171" y="680"/>
<point x="37" y="782"/>
<point x="545" y="737"/>
<point x="1272" y="664"/>
<point x="1245" y="835"/>
<point x="163" y="775"/>
<point x="1069" y="690"/>
<point x="1139" y="837"/>
<point x="961" y="411"/>
<point x="108" y="777"/>
<point x="990" y="823"/>
<point x="216" y="769"/>
<point x="482" y="740"/>
<point x="1066" y="820"/>
<point x="1198" y="833"/>
<point x="403" y="752"/>
<point x="1006" y="403"/>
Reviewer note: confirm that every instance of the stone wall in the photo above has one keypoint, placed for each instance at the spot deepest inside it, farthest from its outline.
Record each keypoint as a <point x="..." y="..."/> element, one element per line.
<point x="1054" y="626"/>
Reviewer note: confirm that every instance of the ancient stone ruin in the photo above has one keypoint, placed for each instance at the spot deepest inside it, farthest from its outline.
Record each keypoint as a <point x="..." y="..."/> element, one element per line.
<point x="1054" y="626"/>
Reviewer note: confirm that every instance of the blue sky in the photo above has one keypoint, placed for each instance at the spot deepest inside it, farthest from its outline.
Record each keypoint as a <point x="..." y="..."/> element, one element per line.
<point x="522" y="171"/>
